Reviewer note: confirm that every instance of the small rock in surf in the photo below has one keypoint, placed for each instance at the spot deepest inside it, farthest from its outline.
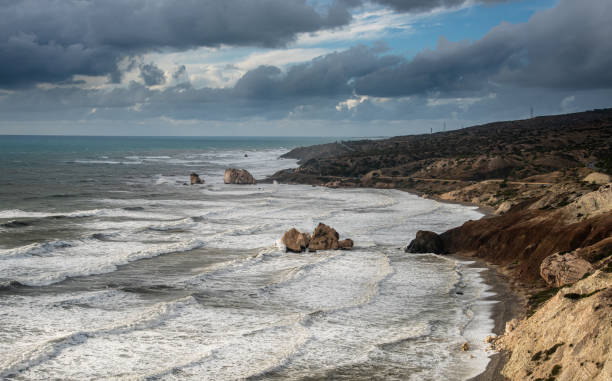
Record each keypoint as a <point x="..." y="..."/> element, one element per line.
<point x="195" y="179"/>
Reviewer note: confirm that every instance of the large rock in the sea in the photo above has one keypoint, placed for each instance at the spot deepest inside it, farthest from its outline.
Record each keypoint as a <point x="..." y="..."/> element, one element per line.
<point x="195" y="179"/>
<point x="238" y="176"/>
<point x="295" y="241"/>
<point x="324" y="238"/>
<point x="426" y="242"/>
<point x="560" y="270"/>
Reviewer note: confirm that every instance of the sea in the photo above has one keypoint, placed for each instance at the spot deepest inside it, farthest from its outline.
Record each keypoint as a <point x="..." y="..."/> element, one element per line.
<point x="113" y="267"/>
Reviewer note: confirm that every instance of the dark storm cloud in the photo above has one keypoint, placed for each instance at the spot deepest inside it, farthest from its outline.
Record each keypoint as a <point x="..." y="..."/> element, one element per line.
<point x="49" y="41"/>
<point x="325" y="76"/>
<point x="551" y="62"/>
<point x="567" y="47"/>
<point x="265" y="90"/>
<point x="152" y="75"/>
<point x="551" y="50"/>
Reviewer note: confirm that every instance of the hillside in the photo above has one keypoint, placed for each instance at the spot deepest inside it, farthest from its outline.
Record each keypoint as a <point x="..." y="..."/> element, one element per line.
<point x="504" y="150"/>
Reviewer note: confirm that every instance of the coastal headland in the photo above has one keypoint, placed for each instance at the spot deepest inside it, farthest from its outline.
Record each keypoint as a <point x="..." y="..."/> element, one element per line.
<point x="545" y="185"/>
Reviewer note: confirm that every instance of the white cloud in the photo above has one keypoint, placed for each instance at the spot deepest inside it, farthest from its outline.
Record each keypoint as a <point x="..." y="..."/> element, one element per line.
<point x="370" y="24"/>
<point x="280" y="57"/>
<point x="352" y="103"/>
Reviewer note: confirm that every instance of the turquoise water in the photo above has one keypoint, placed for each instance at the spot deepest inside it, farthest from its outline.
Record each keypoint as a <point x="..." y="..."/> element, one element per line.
<point x="45" y="166"/>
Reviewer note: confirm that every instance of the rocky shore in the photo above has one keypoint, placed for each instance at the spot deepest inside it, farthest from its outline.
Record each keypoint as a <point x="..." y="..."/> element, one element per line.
<point x="546" y="182"/>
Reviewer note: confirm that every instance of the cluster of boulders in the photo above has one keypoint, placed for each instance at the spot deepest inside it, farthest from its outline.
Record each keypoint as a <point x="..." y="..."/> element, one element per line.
<point x="232" y="176"/>
<point x="323" y="238"/>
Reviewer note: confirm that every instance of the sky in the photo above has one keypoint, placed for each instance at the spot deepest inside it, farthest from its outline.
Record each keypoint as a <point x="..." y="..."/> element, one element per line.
<point x="342" y="68"/>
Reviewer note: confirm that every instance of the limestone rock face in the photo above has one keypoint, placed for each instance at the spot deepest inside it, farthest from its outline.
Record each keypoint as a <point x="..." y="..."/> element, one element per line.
<point x="426" y="242"/>
<point x="560" y="270"/>
<point x="238" y="176"/>
<point x="296" y="241"/>
<point x="324" y="238"/>
<point x="568" y="338"/>
<point x="195" y="179"/>
<point x="346" y="244"/>
<point x="597" y="178"/>
<point x="590" y="205"/>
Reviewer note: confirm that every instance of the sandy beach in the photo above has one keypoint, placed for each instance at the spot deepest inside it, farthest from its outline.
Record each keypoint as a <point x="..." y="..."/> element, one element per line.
<point x="509" y="306"/>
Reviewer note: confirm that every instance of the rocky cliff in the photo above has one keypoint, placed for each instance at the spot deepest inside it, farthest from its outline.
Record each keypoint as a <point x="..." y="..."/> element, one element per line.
<point x="567" y="339"/>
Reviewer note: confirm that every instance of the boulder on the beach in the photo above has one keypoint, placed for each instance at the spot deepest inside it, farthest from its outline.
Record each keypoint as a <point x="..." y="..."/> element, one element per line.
<point x="324" y="238"/>
<point x="195" y="179"/>
<point x="346" y="244"/>
<point x="238" y="176"/>
<point x="426" y="242"/>
<point x="559" y="270"/>
<point x="295" y="241"/>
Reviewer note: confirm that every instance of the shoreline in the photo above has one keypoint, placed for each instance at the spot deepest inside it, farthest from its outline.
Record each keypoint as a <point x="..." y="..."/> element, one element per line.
<point x="509" y="306"/>
<point x="510" y="301"/>
<point x="485" y="210"/>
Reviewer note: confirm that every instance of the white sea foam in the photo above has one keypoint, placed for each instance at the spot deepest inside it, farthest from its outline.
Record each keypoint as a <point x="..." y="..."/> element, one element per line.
<point x="47" y="349"/>
<point x="255" y="310"/>
<point x="106" y="162"/>
<point x="34" y="249"/>
<point x="16" y="213"/>
<point x="80" y="258"/>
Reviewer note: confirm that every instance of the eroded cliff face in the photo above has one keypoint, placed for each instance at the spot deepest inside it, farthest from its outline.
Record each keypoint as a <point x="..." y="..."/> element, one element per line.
<point x="568" y="338"/>
<point x="524" y="238"/>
